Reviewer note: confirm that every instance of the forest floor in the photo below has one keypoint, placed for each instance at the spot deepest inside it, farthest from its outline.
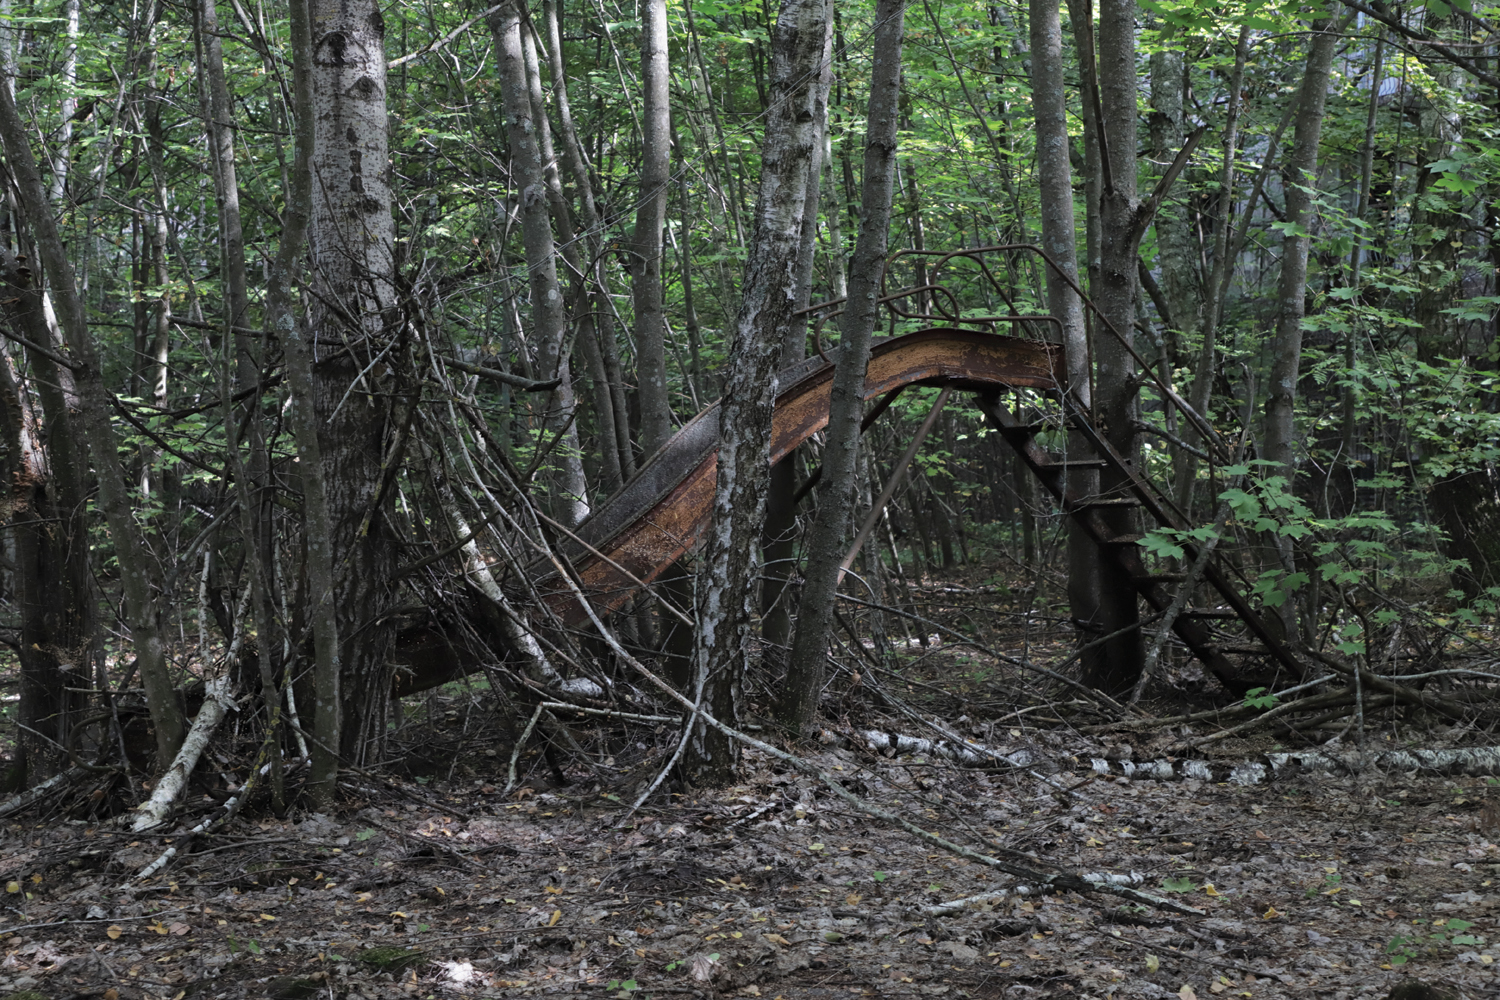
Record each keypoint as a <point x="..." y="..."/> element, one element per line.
<point x="436" y="885"/>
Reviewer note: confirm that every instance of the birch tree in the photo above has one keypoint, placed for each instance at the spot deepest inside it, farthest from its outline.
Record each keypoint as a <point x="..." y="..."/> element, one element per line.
<point x="351" y="238"/>
<point x="728" y="584"/>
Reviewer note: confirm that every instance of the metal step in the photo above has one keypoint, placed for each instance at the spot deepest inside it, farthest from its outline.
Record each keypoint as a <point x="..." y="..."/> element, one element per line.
<point x="1123" y="540"/>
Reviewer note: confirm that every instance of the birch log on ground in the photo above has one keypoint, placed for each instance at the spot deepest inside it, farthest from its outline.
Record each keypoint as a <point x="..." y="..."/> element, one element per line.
<point x="216" y="705"/>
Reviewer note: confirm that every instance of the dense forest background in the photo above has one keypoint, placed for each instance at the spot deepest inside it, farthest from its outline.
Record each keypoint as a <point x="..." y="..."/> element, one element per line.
<point x="326" y="324"/>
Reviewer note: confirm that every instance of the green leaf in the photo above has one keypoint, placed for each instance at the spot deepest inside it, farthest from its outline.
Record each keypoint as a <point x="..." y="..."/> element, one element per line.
<point x="1259" y="698"/>
<point x="1245" y="506"/>
<point x="1181" y="884"/>
<point x="1159" y="543"/>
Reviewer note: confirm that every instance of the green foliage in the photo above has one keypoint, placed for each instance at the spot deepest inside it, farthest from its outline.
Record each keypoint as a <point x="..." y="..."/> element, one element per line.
<point x="1260" y="697"/>
<point x="1441" y="936"/>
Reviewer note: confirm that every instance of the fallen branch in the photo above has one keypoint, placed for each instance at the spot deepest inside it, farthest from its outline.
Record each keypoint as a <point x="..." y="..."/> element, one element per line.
<point x="172" y="851"/>
<point x="1442" y="705"/>
<point x="968" y="752"/>
<point x="155" y="810"/>
<point x="224" y="813"/>
<point x="1286" y="708"/>
<point x="1471" y="762"/>
<point x="21" y="800"/>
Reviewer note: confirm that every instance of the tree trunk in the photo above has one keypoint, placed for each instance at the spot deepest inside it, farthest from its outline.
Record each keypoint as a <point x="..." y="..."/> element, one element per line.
<point x="799" y="698"/>
<point x="1080" y="17"/>
<point x="727" y="588"/>
<point x="136" y="563"/>
<point x="318" y="534"/>
<point x="251" y="477"/>
<point x="1176" y="256"/>
<point x="577" y="166"/>
<point x="1059" y="232"/>
<point x="62" y="153"/>
<point x="1201" y="388"/>
<point x="568" y="244"/>
<point x="778" y="539"/>
<point x="651" y="215"/>
<point x="548" y="312"/>
<point x="55" y="587"/>
<point x="1114" y="665"/>
<point x="1301" y="172"/>
<point x="351" y="237"/>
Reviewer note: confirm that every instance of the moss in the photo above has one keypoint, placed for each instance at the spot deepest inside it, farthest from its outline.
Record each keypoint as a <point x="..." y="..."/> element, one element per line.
<point x="389" y="959"/>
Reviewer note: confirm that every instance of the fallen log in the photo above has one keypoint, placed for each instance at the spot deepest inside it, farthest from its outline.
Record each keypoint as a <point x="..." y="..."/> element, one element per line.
<point x="217" y="702"/>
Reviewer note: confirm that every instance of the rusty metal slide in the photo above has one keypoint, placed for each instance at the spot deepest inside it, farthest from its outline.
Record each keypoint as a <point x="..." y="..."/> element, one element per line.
<point x="664" y="508"/>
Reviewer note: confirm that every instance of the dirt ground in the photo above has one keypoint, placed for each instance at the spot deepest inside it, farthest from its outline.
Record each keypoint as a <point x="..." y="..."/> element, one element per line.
<point x="1337" y="886"/>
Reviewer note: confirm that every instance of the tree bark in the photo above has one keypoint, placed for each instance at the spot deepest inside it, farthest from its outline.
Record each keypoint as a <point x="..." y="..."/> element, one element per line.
<point x="799" y="699"/>
<point x="651" y="215"/>
<point x="548" y="311"/>
<point x="778" y="540"/>
<point x="1115" y="665"/>
<point x="727" y="590"/>
<point x="1300" y="174"/>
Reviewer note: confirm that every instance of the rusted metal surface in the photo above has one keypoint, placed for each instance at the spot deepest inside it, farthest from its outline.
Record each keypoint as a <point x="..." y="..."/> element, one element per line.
<point x="660" y="513"/>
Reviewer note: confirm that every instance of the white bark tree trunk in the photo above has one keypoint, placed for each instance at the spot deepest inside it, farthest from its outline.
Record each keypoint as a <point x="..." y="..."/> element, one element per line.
<point x="729" y="580"/>
<point x="548" y="311"/>
<point x="351" y="237"/>
<point x="651" y="215"/>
